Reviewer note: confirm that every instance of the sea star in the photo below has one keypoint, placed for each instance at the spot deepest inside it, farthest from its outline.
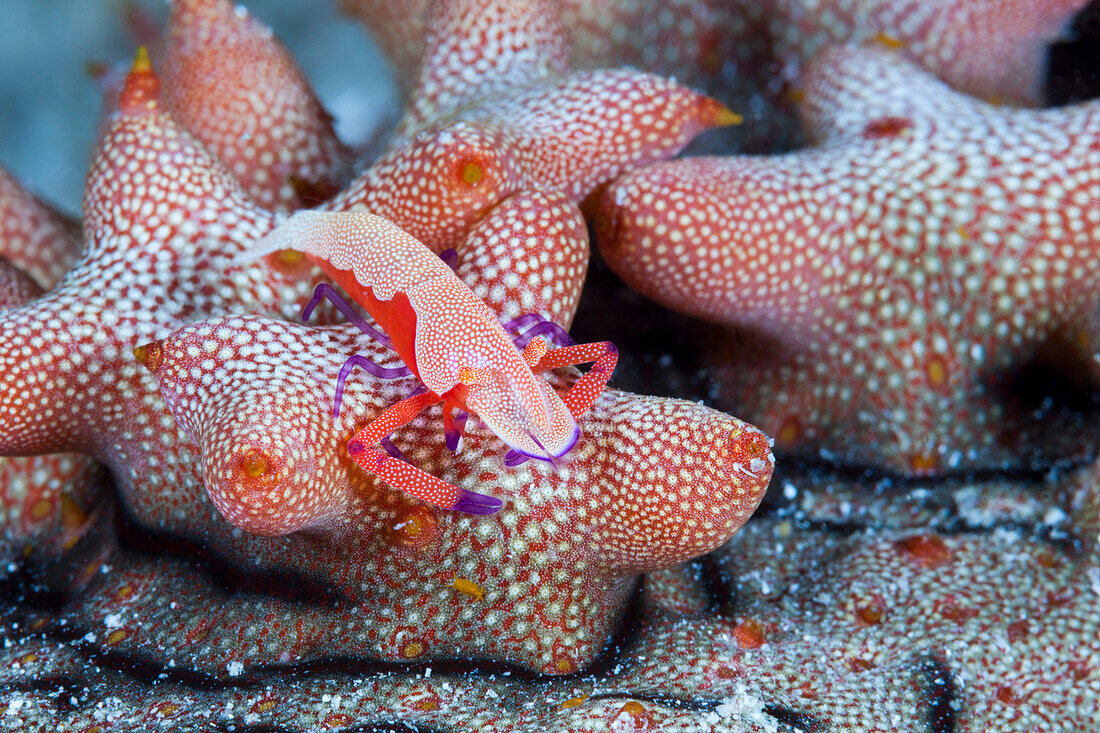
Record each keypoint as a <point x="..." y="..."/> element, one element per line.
<point x="731" y="49"/>
<point x="897" y="272"/>
<point x="654" y="483"/>
<point x="164" y="221"/>
<point x="229" y="82"/>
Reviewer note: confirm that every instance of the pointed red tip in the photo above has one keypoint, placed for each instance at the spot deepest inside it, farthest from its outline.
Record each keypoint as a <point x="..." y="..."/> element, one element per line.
<point x="141" y="90"/>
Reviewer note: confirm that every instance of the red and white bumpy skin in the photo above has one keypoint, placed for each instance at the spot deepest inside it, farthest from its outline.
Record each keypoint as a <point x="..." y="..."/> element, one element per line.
<point x="163" y="220"/>
<point x="992" y="49"/>
<point x="653" y="483"/>
<point x="233" y="85"/>
<point x="928" y="243"/>
<point x="496" y="117"/>
<point x="44" y="500"/>
<point x="34" y="237"/>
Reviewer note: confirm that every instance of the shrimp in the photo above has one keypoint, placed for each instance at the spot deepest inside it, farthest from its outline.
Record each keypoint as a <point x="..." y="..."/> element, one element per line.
<point x="451" y="341"/>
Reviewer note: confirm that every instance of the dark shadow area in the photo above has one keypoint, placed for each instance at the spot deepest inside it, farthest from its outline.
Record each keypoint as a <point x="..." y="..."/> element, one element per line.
<point x="1073" y="73"/>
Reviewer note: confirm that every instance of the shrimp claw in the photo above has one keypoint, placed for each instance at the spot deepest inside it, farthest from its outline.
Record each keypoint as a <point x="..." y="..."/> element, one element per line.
<point x="397" y="472"/>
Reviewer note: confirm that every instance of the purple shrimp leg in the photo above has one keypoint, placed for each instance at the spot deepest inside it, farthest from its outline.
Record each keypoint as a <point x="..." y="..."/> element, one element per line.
<point x="452" y="433"/>
<point x="536" y="325"/>
<point x="324" y="290"/>
<point x="450" y="256"/>
<point x="358" y="360"/>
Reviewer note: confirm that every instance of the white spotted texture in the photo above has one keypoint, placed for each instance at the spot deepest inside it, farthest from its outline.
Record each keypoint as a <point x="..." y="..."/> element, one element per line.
<point x="233" y="85"/>
<point x="749" y="54"/>
<point x="927" y="244"/>
<point x="497" y="117"/>
<point x="653" y="483"/>
<point x="34" y="237"/>
<point x="163" y="221"/>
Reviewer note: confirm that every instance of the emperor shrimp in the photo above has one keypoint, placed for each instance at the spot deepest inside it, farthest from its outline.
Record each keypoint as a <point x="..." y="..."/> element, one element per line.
<point x="451" y="341"/>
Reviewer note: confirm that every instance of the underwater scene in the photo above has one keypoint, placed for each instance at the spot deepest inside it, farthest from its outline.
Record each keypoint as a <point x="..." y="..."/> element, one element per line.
<point x="549" y="365"/>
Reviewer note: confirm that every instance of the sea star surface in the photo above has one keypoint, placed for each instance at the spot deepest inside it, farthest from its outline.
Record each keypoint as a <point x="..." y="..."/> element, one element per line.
<point x="888" y="281"/>
<point x="653" y="484"/>
<point x="229" y="82"/>
<point x="748" y="53"/>
<point x="34" y="237"/>
<point x="495" y="117"/>
<point x="944" y="604"/>
<point x="163" y="220"/>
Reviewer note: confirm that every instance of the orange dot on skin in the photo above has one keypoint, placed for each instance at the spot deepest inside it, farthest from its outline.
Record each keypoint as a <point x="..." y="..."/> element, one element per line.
<point x="415" y="528"/>
<point x="923" y="463"/>
<point x="795" y="95"/>
<point x="115" y="637"/>
<point x="726" y="673"/>
<point x="749" y="634"/>
<point x="859" y="664"/>
<point x="927" y="550"/>
<point x="254" y="464"/>
<point x="267" y="703"/>
<point x="636" y="712"/>
<point x="1008" y="695"/>
<point x="290" y="257"/>
<point x="563" y="665"/>
<point x="41" y="509"/>
<point x="1047" y="560"/>
<point x="471" y="173"/>
<point x="427" y="705"/>
<point x="336" y="720"/>
<point x="413" y="649"/>
<point x="886" y="127"/>
<point x="937" y="372"/>
<point x="871" y="614"/>
<point x="167" y="709"/>
<point x="890" y="42"/>
<point x="789" y="432"/>
<point x="72" y="516"/>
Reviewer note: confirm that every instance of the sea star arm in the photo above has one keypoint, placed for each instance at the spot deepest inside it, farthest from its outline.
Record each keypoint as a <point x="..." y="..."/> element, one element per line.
<point x="229" y="81"/>
<point x="922" y="253"/>
<point x="479" y="47"/>
<point x="33" y="236"/>
<point x="274" y="465"/>
<point x="529" y="254"/>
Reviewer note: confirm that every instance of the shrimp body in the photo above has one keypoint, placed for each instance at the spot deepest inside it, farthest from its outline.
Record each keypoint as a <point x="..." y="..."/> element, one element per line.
<point x="449" y="338"/>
